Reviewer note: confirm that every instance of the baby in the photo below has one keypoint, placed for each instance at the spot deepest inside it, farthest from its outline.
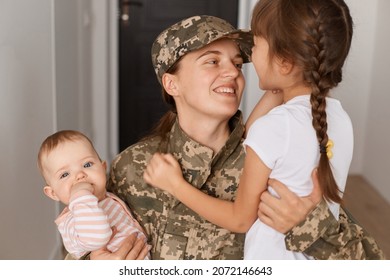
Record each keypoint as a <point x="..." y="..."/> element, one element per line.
<point x="76" y="176"/>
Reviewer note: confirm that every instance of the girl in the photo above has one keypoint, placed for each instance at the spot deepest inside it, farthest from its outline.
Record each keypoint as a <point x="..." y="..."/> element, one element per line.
<point x="300" y="48"/>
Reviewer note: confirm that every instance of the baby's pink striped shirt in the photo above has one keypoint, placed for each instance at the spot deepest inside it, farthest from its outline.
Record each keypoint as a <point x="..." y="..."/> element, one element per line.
<point x="86" y="224"/>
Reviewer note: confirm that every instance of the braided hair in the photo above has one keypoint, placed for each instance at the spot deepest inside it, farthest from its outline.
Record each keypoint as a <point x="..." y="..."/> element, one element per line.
<point x="316" y="36"/>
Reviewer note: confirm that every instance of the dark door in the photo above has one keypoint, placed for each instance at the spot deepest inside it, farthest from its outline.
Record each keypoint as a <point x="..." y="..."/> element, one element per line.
<point x="140" y="21"/>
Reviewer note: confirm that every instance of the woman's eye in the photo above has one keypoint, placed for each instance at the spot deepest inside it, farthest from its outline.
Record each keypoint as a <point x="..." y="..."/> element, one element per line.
<point x="88" y="164"/>
<point x="63" y="175"/>
<point x="212" y="62"/>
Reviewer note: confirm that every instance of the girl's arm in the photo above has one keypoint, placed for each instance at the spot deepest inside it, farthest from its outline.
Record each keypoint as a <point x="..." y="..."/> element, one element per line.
<point x="268" y="101"/>
<point x="163" y="171"/>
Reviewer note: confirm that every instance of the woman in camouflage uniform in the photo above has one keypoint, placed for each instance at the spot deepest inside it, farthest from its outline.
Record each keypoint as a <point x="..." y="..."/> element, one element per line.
<point x="198" y="63"/>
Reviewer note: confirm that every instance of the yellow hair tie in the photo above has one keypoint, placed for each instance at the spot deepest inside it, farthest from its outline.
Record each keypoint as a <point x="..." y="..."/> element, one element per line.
<point x="327" y="149"/>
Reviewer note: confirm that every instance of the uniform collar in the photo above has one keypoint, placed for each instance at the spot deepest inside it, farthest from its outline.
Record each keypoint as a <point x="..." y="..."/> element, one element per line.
<point x="197" y="160"/>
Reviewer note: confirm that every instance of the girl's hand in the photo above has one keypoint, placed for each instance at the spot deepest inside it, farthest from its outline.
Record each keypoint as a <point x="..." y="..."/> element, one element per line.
<point x="164" y="172"/>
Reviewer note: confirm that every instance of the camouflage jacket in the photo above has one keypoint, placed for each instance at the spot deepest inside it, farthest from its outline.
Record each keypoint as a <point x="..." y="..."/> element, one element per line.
<point x="323" y="237"/>
<point x="176" y="232"/>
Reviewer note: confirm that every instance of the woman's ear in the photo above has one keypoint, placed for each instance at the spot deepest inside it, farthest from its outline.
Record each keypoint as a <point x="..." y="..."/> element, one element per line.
<point x="169" y="82"/>
<point x="50" y="193"/>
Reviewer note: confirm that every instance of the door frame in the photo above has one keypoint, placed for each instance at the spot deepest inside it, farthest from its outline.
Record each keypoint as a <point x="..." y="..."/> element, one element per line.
<point x="104" y="77"/>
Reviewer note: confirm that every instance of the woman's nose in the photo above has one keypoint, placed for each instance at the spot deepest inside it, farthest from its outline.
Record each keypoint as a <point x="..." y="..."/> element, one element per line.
<point x="231" y="70"/>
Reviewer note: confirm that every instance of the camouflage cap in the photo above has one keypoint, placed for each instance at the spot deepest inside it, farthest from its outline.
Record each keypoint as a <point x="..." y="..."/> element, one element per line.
<point x="194" y="33"/>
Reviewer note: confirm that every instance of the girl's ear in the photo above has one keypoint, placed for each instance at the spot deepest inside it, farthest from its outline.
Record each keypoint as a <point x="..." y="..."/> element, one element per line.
<point x="50" y="193"/>
<point x="169" y="82"/>
<point x="285" y="66"/>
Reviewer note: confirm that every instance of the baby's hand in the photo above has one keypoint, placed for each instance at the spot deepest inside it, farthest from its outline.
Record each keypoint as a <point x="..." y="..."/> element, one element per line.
<point x="81" y="186"/>
<point x="164" y="172"/>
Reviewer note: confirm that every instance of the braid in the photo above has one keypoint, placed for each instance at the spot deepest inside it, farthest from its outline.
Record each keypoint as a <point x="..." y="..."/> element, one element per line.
<point x="322" y="74"/>
<point x="328" y="184"/>
<point x="315" y="76"/>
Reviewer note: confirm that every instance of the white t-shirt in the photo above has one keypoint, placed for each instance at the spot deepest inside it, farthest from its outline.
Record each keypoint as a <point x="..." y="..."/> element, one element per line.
<point x="286" y="142"/>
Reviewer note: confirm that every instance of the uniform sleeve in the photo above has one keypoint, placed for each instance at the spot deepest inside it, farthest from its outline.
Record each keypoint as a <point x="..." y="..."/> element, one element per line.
<point x="323" y="237"/>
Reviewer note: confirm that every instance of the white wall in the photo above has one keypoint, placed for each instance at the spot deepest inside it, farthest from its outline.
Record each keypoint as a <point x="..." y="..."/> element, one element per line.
<point x="355" y="89"/>
<point x="46" y="84"/>
<point x="376" y="156"/>
<point x="27" y="114"/>
<point x="363" y="91"/>
<point x="73" y="64"/>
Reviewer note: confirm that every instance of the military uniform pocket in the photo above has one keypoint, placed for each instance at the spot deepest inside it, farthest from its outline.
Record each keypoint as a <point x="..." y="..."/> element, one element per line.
<point x="173" y="247"/>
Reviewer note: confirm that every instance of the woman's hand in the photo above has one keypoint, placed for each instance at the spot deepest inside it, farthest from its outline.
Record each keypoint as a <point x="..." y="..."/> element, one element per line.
<point x="164" y="172"/>
<point x="132" y="248"/>
<point x="287" y="211"/>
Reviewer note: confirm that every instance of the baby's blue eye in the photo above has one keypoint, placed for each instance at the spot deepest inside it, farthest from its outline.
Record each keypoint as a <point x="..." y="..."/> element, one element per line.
<point x="63" y="175"/>
<point x="88" y="164"/>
